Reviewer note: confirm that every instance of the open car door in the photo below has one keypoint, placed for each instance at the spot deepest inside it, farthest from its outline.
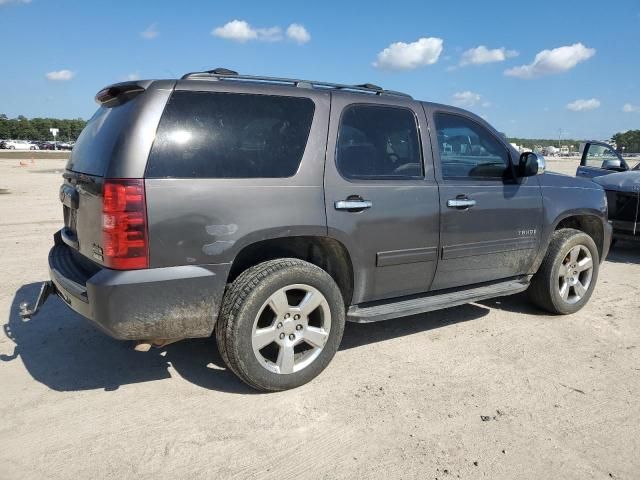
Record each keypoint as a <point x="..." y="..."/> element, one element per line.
<point x="600" y="159"/>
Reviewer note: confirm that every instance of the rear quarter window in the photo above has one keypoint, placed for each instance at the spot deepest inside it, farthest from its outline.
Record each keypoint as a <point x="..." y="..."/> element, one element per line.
<point x="99" y="139"/>
<point x="230" y="135"/>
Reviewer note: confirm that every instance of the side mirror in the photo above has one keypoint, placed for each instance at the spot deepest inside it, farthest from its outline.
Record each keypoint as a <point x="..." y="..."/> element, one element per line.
<point x="613" y="164"/>
<point x="531" y="164"/>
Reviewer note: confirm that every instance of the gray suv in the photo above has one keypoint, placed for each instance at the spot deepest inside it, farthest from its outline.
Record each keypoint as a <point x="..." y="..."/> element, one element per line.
<point x="269" y="211"/>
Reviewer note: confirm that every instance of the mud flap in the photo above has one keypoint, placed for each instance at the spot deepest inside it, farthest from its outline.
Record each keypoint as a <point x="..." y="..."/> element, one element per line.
<point x="46" y="289"/>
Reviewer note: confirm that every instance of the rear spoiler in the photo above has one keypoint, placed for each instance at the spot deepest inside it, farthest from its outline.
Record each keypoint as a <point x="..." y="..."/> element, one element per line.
<point x="120" y="93"/>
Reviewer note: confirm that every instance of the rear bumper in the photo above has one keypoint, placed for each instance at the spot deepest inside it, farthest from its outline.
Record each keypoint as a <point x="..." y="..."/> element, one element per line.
<point x="157" y="303"/>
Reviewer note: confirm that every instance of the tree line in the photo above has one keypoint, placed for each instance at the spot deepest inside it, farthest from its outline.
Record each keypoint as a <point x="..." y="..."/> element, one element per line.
<point x="23" y="128"/>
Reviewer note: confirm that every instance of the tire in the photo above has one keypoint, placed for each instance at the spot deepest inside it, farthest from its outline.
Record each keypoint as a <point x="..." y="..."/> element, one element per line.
<point x="253" y="306"/>
<point x="559" y="270"/>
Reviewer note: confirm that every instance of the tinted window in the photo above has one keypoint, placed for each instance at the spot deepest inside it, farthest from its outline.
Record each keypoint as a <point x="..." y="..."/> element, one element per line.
<point x="228" y="135"/>
<point x="468" y="150"/>
<point x="97" y="142"/>
<point x="378" y="142"/>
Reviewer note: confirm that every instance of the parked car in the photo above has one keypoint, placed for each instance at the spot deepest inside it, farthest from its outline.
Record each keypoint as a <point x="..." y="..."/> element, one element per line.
<point x="272" y="210"/>
<point x="19" y="145"/>
<point x="45" y="145"/>
<point x="605" y="166"/>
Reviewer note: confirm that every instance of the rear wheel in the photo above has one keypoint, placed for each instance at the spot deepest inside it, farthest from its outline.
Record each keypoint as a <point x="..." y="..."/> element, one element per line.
<point x="566" y="279"/>
<point x="280" y="324"/>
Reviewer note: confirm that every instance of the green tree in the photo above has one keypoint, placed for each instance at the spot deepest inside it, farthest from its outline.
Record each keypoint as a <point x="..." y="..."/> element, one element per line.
<point x="630" y="140"/>
<point x="22" y="128"/>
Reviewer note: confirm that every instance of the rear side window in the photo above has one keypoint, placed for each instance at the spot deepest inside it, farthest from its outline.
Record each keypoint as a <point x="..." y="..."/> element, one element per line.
<point x="97" y="143"/>
<point x="377" y="142"/>
<point x="229" y="135"/>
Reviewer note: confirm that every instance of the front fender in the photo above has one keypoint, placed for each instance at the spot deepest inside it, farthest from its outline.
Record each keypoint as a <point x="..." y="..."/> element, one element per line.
<point x="561" y="203"/>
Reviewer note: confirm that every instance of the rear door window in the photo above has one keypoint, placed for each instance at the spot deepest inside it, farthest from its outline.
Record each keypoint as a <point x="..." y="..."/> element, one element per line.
<point x="229" y="135"/>
<point x="378" y="142"/>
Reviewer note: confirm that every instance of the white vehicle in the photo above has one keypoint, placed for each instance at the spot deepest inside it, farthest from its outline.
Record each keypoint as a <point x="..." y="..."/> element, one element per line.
<point x="19" y="145"/>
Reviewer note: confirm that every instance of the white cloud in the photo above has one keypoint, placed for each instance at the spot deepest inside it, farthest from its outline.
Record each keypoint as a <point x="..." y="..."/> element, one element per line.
<point x="150" y="32"/>
<point x="237" y="30"/>
<point x="241" y="31"/>
<point x="61" y="75"/>
<point x="481" y="55"/>
<point x="298" y="33"/>
<point x="469" y="99"/>
<point x="584" y="105"/>
<point x="549" y="62"/>
<point x="19" y="2"/>
<point x="629" y="108"/>
<point x="407" y="56"/>
<point x="133" y="76"/>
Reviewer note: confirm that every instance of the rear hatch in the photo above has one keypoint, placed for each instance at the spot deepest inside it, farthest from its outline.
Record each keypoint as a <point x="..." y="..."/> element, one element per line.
<point x="103" y="191"/>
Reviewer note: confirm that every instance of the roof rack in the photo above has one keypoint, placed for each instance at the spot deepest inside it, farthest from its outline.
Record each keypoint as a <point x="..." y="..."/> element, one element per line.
<point x="226" y="74"/>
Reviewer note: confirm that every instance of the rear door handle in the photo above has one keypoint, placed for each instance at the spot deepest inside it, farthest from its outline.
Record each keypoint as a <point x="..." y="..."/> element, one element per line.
<point x="353" y="205"/>
<point x="460" y="203"/>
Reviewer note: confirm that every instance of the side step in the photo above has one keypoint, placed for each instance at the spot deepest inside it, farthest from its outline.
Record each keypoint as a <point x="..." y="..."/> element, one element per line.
<point x="434" y="301"/>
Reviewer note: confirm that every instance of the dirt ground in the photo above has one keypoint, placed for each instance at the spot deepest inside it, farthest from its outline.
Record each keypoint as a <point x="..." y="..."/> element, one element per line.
<point x="496" y="390"/>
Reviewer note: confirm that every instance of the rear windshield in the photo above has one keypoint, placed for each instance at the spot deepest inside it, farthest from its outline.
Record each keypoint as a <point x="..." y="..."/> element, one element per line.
<point x="229" y="135"/>
<point x="96" y="143"/>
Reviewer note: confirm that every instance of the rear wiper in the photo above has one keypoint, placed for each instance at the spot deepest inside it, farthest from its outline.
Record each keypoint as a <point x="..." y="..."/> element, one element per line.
<point x="78" y="176"/>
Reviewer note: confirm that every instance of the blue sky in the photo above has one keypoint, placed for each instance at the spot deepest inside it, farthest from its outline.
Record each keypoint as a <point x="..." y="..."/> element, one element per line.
<point x="429" y="49"/>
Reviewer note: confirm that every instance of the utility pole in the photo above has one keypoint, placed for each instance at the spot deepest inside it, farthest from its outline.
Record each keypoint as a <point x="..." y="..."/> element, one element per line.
<point x="559" y="136"/>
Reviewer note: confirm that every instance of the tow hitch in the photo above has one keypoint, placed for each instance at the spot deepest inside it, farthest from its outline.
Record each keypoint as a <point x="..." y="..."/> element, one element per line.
<point x="46" y="289"/>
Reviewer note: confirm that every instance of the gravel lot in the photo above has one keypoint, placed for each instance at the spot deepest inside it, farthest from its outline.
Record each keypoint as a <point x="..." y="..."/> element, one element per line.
<point x="494" y="390"/>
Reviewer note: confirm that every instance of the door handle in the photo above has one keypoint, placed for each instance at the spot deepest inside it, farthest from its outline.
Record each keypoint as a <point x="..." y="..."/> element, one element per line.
<point x="355" y="204"/>
<point x="461" y="203"/>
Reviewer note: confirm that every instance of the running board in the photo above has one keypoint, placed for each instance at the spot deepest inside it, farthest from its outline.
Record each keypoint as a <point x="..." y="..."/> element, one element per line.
<point x="434" y="301"/>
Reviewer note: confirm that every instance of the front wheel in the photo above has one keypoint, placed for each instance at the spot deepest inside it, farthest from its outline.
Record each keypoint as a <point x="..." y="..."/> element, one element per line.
<point x="280" y="324"/>
<point x="568" y="274"/>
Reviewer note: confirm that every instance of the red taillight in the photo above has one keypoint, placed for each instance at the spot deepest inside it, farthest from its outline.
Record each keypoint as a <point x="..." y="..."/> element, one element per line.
<point x="124" y="224"/>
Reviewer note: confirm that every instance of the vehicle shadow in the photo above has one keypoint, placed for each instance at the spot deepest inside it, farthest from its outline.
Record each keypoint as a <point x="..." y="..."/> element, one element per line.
<point x="624" y="252"/>
<point x="518" y="303"/>
<point x="65" y="352"/>
<point x="361" y="334"/>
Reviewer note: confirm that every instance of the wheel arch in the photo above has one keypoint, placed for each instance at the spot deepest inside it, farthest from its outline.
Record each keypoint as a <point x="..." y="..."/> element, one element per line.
<point x="324" y="252"/>
<point x="586" y="222"/>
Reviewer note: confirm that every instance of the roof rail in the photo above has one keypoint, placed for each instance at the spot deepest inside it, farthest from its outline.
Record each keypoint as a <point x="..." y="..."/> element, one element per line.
<point x="225" y="74"/>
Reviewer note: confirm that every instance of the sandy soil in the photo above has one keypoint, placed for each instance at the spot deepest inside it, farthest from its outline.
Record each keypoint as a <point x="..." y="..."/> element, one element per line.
<point x="495" y="390"/>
